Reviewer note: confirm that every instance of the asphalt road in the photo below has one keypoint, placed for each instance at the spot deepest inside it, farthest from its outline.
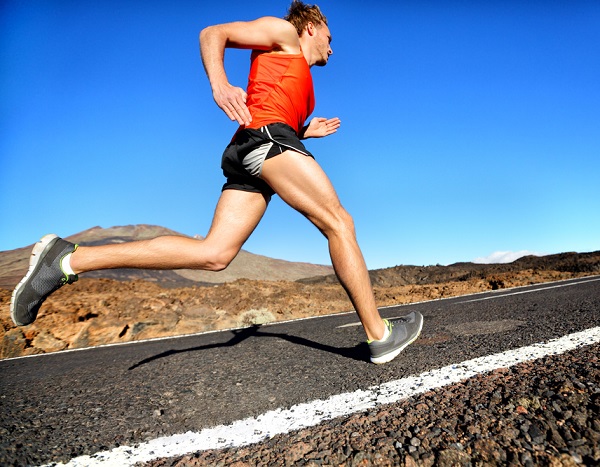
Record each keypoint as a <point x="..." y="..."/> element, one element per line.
<point x="58" y="406"/>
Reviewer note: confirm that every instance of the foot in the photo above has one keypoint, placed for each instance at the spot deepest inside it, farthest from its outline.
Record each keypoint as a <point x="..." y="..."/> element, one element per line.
<point x="403" y="331"/>
<point x="45" y="275"/>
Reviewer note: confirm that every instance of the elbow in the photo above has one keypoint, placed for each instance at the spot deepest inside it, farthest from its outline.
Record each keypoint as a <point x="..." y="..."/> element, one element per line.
<point x="212" y="35"/>
<point x="204" y="33"/>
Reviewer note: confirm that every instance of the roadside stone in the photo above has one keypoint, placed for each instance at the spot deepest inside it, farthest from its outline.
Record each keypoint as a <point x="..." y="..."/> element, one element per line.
<point x="453" y="458"/>
<point x="297" y="451"/>
<point x="46" y="342"/>
<point x="526" y="459"/>
<point x="565" y="460"/>
<point x="537" y="434"/>
<point x="489" y="451"/>
<point x="13" y="343"/>
<point x="521" y="410"/>
<point x="557" y="439"/>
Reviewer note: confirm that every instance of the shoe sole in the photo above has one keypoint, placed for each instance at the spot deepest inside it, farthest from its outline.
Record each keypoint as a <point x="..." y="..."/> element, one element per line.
<point x="36" y="254"/>
<point x="390" y="356"/>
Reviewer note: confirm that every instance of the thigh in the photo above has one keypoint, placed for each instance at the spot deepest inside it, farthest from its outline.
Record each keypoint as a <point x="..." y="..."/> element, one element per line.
<point x="301" y="182"/>
<point x="236" y="216"/>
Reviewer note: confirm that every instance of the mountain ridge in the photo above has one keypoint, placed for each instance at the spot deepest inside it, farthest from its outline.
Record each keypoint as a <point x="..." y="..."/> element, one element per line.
<point x="571" y="262"/>
<point x="14" y="263"/>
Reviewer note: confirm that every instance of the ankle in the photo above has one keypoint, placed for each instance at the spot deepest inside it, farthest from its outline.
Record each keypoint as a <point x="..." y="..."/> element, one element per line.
<point x="382" y="334"/>
<point x="69" y="263"/>
<point x="386" y="331"/>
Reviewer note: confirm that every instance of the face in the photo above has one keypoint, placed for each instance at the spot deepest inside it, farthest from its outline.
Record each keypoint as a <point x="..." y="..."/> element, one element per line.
<point x="322" y="45"/>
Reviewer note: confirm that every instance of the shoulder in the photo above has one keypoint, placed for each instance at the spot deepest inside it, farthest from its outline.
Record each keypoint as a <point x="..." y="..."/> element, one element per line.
<point x="267" y="34"/>
<point x="277" y="25"/>
<point x="280" y="33"/>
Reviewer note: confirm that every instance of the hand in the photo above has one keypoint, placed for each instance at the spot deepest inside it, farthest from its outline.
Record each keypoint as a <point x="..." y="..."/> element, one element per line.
<point x="319" y="127"/>
<point x="232" y="100"/>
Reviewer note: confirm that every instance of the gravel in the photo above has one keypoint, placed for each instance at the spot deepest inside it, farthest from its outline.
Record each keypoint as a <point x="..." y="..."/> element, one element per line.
<point x="541" y="413"/>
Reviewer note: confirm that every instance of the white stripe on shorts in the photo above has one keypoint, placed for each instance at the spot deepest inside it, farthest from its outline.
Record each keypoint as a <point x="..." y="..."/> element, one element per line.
<point x="254" y="160"/>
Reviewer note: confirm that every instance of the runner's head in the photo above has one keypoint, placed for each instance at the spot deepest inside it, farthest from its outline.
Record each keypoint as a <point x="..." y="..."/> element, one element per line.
<point x="301" y="14"/>
<point x="308" y="20"/>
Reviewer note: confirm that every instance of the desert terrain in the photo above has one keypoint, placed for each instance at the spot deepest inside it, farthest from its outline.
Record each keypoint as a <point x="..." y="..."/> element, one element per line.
<point x="120" y="306"/>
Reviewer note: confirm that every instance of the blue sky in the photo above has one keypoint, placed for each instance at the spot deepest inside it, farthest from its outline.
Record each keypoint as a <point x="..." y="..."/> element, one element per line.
<point x="469" y="128"/>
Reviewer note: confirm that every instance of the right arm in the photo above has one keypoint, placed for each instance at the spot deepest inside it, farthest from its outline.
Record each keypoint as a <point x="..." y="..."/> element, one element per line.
<point x="262" y="34"/>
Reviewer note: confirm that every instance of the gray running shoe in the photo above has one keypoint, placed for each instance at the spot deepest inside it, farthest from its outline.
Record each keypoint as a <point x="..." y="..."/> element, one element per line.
<point x="403" y="331"/>
<point x="45" y="275"/>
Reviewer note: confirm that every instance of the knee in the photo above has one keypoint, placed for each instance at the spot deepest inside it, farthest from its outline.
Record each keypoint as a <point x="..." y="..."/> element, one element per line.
<point x="215" y="260"/>
<point x="346" y="221"/>
<point x="340" y="223"/>
<point x="219" y="261"/>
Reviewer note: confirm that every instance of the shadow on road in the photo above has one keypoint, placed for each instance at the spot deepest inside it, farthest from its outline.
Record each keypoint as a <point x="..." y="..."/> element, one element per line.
<point x="359" y="352"/>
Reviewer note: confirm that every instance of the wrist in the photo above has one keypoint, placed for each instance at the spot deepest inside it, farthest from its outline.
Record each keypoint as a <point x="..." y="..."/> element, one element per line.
<point x="303" y="131"/>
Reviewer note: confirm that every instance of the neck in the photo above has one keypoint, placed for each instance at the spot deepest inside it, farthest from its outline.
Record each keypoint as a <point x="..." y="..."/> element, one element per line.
<point x="305" y="48"/>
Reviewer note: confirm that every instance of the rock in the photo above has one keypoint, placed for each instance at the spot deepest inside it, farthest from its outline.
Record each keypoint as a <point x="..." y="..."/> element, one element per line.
<point x="538" y="435"/>
<point x="565" y="460"/>
<point x="48" y="343"/>
<point x="13" y="343"/>
<point x="521" y="410"/>
<point x="556" y="439"/>
<point x="82" y="338"/>
<point x="297" y="451"/>
<point x="526" y="459"/>
<point x="453" y="458"/>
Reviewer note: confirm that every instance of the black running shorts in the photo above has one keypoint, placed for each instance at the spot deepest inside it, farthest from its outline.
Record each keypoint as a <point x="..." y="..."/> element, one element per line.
<point x="243" y="158"/>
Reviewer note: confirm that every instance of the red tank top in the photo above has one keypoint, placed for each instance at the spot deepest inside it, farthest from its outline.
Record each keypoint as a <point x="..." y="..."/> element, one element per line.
<point x="280" y="90"/>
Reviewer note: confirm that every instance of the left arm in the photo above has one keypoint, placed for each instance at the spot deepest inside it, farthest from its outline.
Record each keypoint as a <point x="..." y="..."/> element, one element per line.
<point x="263" y="34"/>
<point x="319" y="127"/>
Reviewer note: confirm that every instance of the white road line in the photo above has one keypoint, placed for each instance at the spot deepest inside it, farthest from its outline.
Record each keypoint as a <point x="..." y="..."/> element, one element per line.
<point x="255" y="429"/>
<point x="528" y="291"/>
<point x="501" y="294"/>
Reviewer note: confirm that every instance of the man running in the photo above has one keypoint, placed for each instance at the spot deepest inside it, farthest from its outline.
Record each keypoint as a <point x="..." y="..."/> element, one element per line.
<point x="265" y="157"/>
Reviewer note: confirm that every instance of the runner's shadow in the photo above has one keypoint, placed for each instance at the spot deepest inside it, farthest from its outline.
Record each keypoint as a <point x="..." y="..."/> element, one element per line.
<point x="358" y="352"/>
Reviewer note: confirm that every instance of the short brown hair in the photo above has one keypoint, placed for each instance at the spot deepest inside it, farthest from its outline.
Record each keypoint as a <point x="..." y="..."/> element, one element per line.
<point x="300" y="14"/>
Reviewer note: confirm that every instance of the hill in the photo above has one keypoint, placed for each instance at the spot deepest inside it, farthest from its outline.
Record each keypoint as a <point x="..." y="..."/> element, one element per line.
<point x="577" y="263"/>
<point x="14" y="263"/>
